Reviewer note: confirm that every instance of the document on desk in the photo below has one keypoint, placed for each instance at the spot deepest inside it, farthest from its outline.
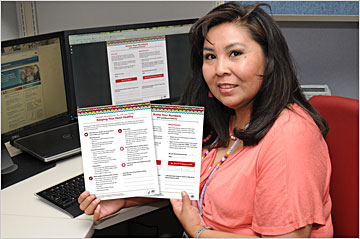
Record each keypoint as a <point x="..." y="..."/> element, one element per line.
<point x="178" y="143"/>
<point x="118" y="150"/>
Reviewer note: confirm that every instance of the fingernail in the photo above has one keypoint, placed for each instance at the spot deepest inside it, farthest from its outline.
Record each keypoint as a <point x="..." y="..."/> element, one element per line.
<point x="183" y="193"/>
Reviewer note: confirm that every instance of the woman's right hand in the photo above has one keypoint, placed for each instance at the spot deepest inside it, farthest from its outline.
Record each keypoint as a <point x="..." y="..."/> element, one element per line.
<point x="94" y="206"/>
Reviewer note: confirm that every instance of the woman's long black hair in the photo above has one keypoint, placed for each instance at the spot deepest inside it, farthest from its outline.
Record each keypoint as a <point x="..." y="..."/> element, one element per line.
<point x="280" y="86"/>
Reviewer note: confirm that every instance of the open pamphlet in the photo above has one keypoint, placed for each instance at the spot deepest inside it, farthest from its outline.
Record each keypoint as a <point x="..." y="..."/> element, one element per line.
<point x="141" y="149"/>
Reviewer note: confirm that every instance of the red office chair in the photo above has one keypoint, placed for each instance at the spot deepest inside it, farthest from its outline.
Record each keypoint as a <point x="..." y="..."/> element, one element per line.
<point x="342" y="116"/>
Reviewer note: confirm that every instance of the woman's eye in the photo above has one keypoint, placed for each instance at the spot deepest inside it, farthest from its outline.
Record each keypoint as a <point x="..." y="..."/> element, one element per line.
<point x="209" y="56"/>
<point x="235" y="53"/>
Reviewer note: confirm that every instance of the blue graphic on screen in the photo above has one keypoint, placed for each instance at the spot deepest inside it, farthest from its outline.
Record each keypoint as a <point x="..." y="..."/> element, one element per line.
<point x="28" y="71"/>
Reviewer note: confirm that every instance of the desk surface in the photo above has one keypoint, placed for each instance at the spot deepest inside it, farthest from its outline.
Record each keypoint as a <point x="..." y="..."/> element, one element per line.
<point x="23" y="214"/>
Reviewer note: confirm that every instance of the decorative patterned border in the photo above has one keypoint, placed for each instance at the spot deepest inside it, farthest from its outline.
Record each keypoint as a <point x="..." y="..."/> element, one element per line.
<point x="112" y="109"/>
<point x="177" y="108"/>
<point x="141" y="106"/>
<point x="135" y="40"/>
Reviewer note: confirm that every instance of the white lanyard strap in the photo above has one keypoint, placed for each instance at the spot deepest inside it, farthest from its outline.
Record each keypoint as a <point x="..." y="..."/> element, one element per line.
<point x="217" y="166"/>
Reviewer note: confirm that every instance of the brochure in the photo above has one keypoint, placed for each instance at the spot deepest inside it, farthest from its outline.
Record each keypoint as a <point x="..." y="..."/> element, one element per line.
<point x="142" y="149"/>
<point x="118" y="151"/>
<point x="178" y="143"/>
<point x="138" y="69"/>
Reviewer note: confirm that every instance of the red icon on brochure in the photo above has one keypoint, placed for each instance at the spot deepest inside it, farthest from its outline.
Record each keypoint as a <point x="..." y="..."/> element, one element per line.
<point x="123" y="164"/>
<point x="91" y="178"/>
<point x="86" y="134"/>
<point x="120" y="131"/>
<point x="121" y="148"/>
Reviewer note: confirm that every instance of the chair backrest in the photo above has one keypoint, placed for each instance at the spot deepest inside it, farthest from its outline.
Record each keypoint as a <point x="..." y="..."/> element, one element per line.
<point x="342" y="116"/>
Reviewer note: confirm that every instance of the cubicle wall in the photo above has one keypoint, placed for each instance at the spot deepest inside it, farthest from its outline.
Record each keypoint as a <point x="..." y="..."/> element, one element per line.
<point x="326" y="53"/>
<point x="323" y="37"/>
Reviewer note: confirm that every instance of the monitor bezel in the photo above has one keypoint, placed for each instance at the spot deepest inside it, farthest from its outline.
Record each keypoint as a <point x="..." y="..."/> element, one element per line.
<point x="118" y="28"/>
<point x="127" y="27"/>
<point x="61" y="119"/>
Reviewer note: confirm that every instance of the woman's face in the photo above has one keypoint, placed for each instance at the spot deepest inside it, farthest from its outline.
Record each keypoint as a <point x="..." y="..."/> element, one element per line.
<point x="28" y="71"/>
<point x="233" y="65"/>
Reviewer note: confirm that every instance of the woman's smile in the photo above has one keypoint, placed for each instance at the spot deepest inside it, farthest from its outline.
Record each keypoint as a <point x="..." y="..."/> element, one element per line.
<point x="227" y="88"/>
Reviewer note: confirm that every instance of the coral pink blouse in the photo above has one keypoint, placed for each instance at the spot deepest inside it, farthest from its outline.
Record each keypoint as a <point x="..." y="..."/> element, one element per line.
<point x="275" y="187"/>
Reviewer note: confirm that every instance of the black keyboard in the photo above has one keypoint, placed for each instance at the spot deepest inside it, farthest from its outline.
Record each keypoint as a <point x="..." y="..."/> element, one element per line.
<point x="65" y="195"/>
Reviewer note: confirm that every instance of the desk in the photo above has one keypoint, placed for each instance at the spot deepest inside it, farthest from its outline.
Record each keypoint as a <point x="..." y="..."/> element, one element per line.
<point x="25" y="215"/>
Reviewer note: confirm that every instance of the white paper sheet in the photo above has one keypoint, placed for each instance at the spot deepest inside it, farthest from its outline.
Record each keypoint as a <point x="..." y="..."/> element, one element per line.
<point x="178" y="144"/>
<point x="138" y="69"/>
<point x="118" y="151"/>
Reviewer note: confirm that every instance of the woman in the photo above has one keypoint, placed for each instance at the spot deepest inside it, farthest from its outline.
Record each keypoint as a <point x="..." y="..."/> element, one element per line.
<point x="29" y="74"/>
<point x="266" y="167"/>
<point x="36" y="73"/>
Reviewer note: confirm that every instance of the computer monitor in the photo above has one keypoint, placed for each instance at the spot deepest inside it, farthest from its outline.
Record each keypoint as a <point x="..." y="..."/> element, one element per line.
<point x="129" y="63"/>
<point x="35" y="92"/>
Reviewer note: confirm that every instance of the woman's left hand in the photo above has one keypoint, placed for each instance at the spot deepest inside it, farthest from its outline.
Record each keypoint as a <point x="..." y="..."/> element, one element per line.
<point x="188" y="214"/>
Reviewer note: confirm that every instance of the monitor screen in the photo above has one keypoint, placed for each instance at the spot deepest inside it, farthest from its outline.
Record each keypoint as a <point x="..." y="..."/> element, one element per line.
<point x="130" y="63"/>
<point x="33" y="85"/>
